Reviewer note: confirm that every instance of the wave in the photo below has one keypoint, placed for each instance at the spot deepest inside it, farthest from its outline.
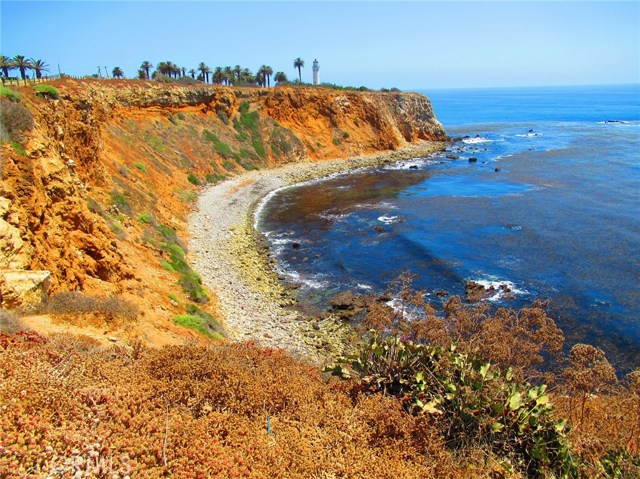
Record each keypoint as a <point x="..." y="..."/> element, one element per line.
<point x="477" y="139"/>
<point x="498" y="289"/>
<point x="388" y="220"/>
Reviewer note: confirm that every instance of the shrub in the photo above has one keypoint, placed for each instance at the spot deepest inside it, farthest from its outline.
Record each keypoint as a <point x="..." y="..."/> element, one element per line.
<point x="76" y="303"/>
<point x="213" y="178"/>
<point x="9" y="94"/>
<point x="222" y="148"/>
<point x="120" y="201"/>
<point x="473" y="404"/>
<point x="47" y="91"/>
<point x="10" y="322"/>
<point x="193" y="179"/>
<point x="15" y="122"/>
<point x="146" y="218"/>
<point x="141" y="167"/>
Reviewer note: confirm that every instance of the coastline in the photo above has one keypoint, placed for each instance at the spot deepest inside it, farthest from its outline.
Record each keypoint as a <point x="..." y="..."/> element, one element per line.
<point x="234" y="262"/>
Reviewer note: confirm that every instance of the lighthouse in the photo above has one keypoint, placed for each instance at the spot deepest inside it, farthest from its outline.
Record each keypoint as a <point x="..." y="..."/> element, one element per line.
<point x="316" y="73"/>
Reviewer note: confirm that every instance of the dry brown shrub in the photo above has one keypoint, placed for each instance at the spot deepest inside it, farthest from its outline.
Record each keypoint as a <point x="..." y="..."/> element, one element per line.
<point x="191" y="412"/>
<point x="10" y="322"/>
<point x="72" y="305"/>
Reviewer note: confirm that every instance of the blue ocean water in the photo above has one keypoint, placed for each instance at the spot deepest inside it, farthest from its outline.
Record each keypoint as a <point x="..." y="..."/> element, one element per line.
<point x="550" y="207"/>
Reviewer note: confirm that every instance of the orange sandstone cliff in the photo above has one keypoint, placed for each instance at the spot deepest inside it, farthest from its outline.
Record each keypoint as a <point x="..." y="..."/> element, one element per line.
<point x="98" y="200"/>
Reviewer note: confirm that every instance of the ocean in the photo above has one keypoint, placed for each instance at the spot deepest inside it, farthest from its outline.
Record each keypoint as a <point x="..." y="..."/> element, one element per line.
<point x="540" y="192"/>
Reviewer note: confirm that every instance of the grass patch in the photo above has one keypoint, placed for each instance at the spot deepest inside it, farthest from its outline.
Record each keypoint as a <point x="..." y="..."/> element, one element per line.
<point x="213" y="178"/>
<point x="173" y="297"/>
<point x="156" y="143"/>
<point x="17" y="148"/>
<point x="221" y="147"/>
<point x="120" y="201"/>
<point x="186" y="196"/>
<point x="196" y="323"/>
<point x="141" y="167"/>
<point x="193" y="179"/>
<point x="9" y="94"/>
<point x="47" y="91"/>
<point x="190" y="281"/>
<point x="146" y="218"/>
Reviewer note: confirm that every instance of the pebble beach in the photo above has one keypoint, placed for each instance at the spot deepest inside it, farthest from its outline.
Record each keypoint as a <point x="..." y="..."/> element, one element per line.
<point x="234" y="262"/>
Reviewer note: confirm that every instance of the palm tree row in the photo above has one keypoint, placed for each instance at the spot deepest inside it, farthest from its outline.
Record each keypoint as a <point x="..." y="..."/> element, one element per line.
<point x="219" y="75"/>
<point x="21" y="63"/>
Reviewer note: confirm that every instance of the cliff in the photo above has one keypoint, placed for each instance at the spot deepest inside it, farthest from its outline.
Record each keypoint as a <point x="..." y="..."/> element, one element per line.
<point x="98" y="199"/>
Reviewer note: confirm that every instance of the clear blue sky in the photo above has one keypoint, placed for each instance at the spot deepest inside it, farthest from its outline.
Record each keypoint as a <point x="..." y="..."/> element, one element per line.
<point x="410" y="45"/>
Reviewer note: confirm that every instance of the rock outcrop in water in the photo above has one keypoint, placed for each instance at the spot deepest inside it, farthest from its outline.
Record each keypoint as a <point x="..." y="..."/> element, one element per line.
<point x="110" y="169"/>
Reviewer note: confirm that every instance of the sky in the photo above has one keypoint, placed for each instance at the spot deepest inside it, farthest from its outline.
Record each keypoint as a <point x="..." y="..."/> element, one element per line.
<point x="408" y="45"/>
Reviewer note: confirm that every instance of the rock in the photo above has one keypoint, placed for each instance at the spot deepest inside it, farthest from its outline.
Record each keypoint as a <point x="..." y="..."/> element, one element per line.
<point x="473" y="159"/>
<point x="379" y="229"/>
<point x="505" y="288"/>
<point x="453" y="157"/>
<point x="23" y="287"/>
<point x="474" y="292"/>
<point x="344" y="300"/>
<point x="441" y="293"/>
<point x="112" y="339"/>
<point x="296" y="245"/>
<point x="413" y="167"/>
<point x="496" y="170"/>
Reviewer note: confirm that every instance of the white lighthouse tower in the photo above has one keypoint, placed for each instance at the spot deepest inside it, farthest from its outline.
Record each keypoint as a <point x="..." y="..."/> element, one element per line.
<point x="316" y="73"/>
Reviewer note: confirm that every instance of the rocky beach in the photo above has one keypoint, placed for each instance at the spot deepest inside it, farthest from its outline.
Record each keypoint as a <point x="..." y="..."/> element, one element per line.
<point x="234" y="262"/>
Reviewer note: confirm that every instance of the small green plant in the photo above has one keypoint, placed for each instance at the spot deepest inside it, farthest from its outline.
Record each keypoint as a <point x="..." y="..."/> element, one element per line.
<point x="221" y="147"/>
<point x="17" y="148"/>
<point x="120" y="201"/>
<point x="193" y="179"/>
<point x="213" y="178"/>
<point x="146" y="218"/>
<point x="173" y="297"/>
<point x="190" y="281"/>
<point x="186" y="196"/>
<point x="9" y="94"/>
<point x="356" y="121"/>
<point x="141" y="167"/>
<point x="337" y="141"/>
<point x="345" y="134"/>
<point x="47" y="91"/>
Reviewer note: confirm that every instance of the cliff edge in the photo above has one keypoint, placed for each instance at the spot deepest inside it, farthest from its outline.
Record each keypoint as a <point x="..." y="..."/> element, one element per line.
<point x="97" y="200"/>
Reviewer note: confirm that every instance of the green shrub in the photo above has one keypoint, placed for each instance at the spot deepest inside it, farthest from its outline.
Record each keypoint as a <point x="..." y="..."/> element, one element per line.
<point x="345" y="134"/>
<point x="173" y="297"/>
<point x="9" y="94"/>
<point x="193" y="179"/>
<point x="120" y="201"/>
<point x="197" y="324"/>
<point x="47" y="91"/>
<point x="473" y="404"/>
<point x="141" y="167"/>
<point x="356" y="121"/>
<point x="222" y="148"/>
<point x="186" y="196"/>
<point x="146" y="218"/>
<point x="213" y="178"/>
<point x="259" y="147"/>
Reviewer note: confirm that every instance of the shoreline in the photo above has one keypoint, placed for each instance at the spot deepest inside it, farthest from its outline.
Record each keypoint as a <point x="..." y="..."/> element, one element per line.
<point x="225" y="249"/>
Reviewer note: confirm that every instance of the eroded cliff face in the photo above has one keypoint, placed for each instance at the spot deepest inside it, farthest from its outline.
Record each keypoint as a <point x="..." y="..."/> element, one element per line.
<point x="112" y="167"/>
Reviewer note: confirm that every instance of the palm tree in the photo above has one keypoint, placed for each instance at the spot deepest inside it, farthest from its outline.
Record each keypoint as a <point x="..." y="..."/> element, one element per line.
<point x="39" y="66"/>
<point x="142" y="74"/>
<point x="6" y="64"/>
<point x="175" y="70"/>
<point x="184" y="71"/>
<point x="192" y="72"/>
<point x="146" y="66"/>
<point x="117" y="72"/>
<point x="205" y="71"/>
<point x="246" y="76"/>
<point x="299" y="63"/>
<point x="237" y="70"/>
<point x="280" y="77"/>
<point x="23" y="65"/>
<point x="268" y="71"/>
<point x="260" y="78"/>
<point x="229" y="76"/>
<point x="218" y="76"/>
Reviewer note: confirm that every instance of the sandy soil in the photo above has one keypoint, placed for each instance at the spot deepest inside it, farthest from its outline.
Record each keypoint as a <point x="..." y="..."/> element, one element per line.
<point x="227" y="252"/>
